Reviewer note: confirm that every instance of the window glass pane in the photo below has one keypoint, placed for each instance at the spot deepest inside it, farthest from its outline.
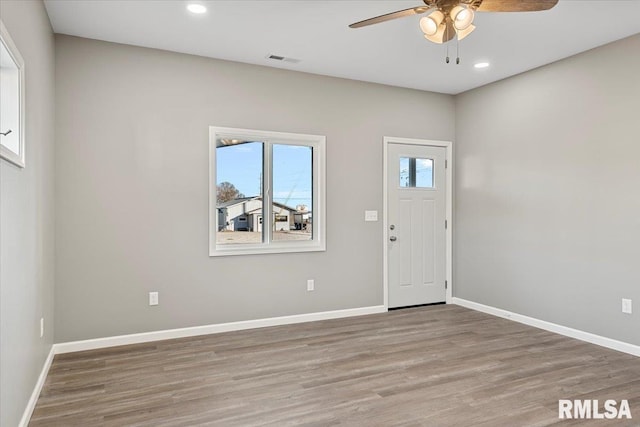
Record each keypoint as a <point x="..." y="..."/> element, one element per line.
<point x="416" y="172"/>
<point x="292" y="192"/>
<point x="424" y="173"/>
<point x="404" y="172"/>
<point x="239" y="191"/>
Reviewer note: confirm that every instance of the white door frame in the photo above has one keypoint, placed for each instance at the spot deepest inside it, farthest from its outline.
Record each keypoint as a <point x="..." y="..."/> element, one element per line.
<point x="449" y="210"/>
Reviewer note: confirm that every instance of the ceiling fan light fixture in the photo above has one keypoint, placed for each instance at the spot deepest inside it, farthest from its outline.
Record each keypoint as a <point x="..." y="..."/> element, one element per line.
<point x="462" y="17"/>
<point x="429" y="24"/>
<point x="445" y="32"/>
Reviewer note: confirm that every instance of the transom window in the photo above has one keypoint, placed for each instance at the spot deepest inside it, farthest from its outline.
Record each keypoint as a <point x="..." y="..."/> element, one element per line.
<point x="416" y="172"/>
<point x="267" y="192"/>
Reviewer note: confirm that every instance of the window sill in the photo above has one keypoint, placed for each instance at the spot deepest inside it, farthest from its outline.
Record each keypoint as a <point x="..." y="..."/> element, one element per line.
<point x="271" y="249"/>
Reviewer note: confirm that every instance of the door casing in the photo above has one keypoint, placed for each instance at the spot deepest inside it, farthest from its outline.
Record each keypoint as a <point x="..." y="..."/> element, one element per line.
<point x="449" y="210"/>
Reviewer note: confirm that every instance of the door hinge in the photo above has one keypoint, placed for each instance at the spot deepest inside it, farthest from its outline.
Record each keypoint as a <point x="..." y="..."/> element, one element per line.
<point x="445" y="224"/>
<point x="446" y="285"/>
<point x="446" y="163"/>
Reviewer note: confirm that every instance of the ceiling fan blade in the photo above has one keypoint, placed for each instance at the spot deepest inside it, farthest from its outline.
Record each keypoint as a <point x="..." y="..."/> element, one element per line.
<point x="389" y="16"/>
<point x="516" y="5"/>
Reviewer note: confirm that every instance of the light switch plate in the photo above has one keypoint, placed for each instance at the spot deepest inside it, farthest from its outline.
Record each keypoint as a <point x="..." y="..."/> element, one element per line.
<point x="153" y="298"/>
<point x="370" y="215"/>
<point x="626" y="306"/>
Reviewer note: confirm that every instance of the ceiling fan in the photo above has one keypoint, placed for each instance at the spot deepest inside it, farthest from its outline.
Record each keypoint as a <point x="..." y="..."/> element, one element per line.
<point x="452" y="18"/>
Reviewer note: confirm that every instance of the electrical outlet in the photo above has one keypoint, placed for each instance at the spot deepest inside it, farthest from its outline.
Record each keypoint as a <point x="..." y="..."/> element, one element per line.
<point x="41" y="327"/>
<point x="626" y="306"/>
<point x="310" y="285"/>
<point x="153" y="298"/>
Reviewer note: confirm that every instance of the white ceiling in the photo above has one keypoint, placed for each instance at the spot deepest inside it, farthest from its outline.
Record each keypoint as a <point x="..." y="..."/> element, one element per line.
<point x="316" y="33"/>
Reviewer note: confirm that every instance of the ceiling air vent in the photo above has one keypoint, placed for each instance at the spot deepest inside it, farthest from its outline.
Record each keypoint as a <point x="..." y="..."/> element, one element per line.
<point x="283" y="59"/>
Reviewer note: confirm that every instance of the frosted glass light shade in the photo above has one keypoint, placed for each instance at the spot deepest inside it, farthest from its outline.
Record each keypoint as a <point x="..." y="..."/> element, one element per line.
<point x="429" y="24"/>
<point x="462" y="17"/>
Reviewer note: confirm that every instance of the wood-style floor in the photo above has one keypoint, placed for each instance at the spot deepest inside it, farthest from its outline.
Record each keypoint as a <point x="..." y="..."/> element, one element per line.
<point x="428" y="366"/>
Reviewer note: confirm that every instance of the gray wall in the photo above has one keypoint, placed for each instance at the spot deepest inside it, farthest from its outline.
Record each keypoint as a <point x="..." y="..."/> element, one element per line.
<point x="131" y="196"/>
<point x="547" y="200"/>
<point x="27" y="218"/>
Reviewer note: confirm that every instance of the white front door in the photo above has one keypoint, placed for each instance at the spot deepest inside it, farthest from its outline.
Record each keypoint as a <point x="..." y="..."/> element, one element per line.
<point x="416" y="234"/>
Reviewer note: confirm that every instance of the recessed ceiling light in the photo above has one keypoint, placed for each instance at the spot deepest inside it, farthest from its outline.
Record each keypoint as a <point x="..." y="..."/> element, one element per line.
<point x="196" y="8"/>
<point x="481" y="65"/>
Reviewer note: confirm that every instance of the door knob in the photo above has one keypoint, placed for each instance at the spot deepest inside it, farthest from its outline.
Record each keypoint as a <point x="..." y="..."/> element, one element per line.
<point x="393" y="238"/>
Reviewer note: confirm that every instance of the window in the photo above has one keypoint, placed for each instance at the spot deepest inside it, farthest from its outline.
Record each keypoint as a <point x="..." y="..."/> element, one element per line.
<point x="267" y="192"/>
<point x="12" y="107"/>
<point x="416" y="173"/>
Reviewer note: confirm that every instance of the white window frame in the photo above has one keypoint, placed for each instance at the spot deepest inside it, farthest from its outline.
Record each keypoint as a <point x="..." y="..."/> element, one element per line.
<point x="17" y="125"/>
<point x="268" y="246"/>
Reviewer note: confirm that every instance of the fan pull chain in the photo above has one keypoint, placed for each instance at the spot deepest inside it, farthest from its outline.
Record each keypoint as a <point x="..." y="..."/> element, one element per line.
<point x="447" y="43"/>
<point x="457" y="50"/>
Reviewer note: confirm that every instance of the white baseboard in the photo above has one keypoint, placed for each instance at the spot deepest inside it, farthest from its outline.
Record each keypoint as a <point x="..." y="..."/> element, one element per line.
<point x="552" y="327"/>
<point x="97" y="343"/>
<point x="31" y="404"/>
